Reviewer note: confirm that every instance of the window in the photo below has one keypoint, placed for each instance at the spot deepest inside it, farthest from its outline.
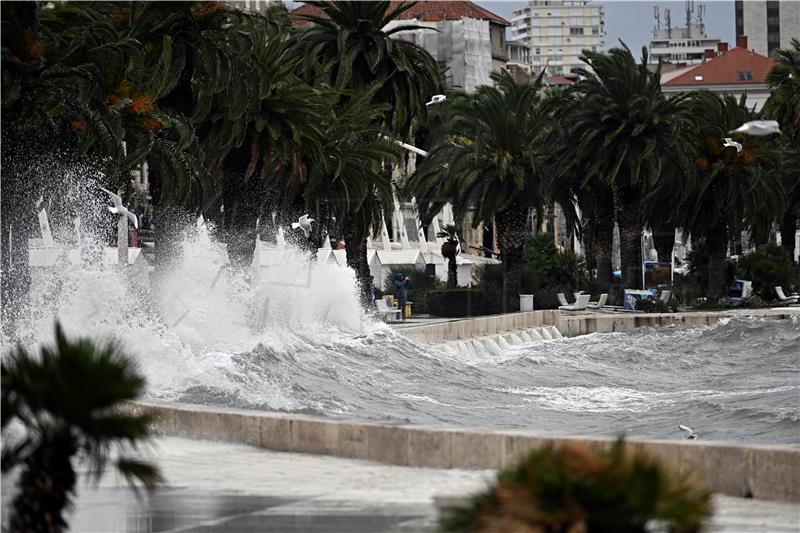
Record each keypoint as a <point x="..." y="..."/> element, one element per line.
<point x="594" y="49"/>
<point x="538" y="51"/>
<point x="744" y="75"/>
<point x="576" y="31"/>
<point x="595" y="30"/>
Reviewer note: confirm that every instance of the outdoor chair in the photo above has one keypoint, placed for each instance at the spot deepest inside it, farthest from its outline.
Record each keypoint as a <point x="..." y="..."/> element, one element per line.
<point x="665" y="296"/>
<point x="599" y="303"/>
<point x="580" y="303"/>
<point x="562" y="300"/>
<point x="791" y="299"/>
<point x="384" y="310"/>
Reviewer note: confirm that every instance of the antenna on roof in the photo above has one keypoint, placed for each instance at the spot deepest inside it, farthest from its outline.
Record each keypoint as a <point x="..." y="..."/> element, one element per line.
<point x="657" y="16"/>
<point x="701" y="13"/>
<point x="667" y="15"/>
<point x="689" y="12"/>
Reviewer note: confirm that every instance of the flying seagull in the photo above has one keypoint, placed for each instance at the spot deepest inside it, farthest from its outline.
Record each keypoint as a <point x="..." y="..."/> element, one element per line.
<point x="730" y="143"/>
<point x="437" y="99"/>
<point x="758" y="128"/>
<point x="120" y="209"/>
<point x="690" y="434"/>
<point x="303" y="223"/>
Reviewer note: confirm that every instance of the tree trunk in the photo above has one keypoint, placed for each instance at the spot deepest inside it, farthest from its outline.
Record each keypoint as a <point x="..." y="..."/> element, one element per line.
<point x="788" y="229"/>
<point x="511" y="235"/>
<point x="630" y="237"/>
<point x="452" y="272"/>
<point x="46" y="485"/>
<point x="717" y="242"/>
<point x="602" y="241"/>
<point x="664" y="240"/>
<point x="356" y="251"/>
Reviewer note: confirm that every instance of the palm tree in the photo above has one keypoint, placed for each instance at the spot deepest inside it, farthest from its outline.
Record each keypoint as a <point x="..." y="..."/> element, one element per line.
<point x="624" y="131"/>
<point x="489" y="155"/>
<point x="350" y="49"/>
<point x="68" y="400"/>
<point x="783" y="105"/>
<point x="450" y="249"/>
<point x="729" y="191"/>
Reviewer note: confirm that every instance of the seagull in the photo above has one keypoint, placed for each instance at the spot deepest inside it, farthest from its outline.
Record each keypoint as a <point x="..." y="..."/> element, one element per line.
<point x="730" y="143"/>
<point x="303" y="223"/>
<point x="758" y="128"/>
<point x="437" y="99"/>
<point x="690" y="434"/>
<point x="119" y="209"/>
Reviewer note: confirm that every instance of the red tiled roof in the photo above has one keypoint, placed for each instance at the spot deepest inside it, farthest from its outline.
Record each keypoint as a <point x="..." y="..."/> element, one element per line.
<point x="558" y="80"/>
<point x="724" y="69"/>
<point x="427" y="10"/>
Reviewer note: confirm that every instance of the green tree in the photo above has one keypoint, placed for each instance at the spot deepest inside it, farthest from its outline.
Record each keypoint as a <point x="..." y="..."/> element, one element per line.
<point x="450" y="250"/>
<point x="489" y="155"/>
<point x="350" y="48"/>
<point x="783" y="105"/>
<point x="67" y="400"/>
<point x="729" y="191"/>
<point x="624" y="131"/>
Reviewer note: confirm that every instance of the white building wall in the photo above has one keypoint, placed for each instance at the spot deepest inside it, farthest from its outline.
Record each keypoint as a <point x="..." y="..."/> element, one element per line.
<point x="789" y="22"/>
<point x="558" y="31"/>
<point x="755" y="25"/>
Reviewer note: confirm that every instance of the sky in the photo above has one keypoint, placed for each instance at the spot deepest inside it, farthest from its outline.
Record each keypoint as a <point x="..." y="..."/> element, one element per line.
<point x="633" y="22"/>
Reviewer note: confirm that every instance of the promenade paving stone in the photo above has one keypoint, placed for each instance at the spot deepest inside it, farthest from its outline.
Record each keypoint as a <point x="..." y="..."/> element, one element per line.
<point x="216" y="487"/>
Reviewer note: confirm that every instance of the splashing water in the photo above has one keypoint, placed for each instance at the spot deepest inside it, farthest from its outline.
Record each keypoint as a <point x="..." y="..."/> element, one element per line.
<point x="292" y="336"/>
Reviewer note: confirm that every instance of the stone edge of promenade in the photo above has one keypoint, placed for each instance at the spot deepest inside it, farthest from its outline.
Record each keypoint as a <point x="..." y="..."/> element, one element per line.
<point x="765" y="472"/>
<point x="572" y="325"/>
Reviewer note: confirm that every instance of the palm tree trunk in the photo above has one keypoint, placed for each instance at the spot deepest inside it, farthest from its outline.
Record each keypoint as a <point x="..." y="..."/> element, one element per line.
<point x="511" y="235"/>
<point x="630" y="237"/>
<point x="717" y="242"/>
<point x="45" y="488"/>
<point x="602" y="240"/>
<point x="788" y="229"/>
<point x="452" y="272"/>
<point x="356" y="251"/>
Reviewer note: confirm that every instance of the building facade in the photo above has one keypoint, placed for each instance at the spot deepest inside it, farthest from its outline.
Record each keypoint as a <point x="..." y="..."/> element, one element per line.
<point x="681" y="45"/>
<point x="557" y="31"/>
<point x="738" y="71"/>
<point x="768" y="25"/>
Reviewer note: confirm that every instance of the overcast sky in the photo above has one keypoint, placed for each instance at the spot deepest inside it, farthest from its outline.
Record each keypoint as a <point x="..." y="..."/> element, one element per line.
<point x="632" y="21"/>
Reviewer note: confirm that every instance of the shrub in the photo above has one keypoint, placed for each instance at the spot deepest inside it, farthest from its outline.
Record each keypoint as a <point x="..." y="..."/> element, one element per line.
<point x="655" y="306"/>
<point x="769" y="266"/>
<point x="460" y="302"/>
<point x="697" y="260"/>
<point x="574" y="489"/>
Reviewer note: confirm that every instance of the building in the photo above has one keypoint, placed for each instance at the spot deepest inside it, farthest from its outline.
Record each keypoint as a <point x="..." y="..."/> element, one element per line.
<point x="768" y="25"/>
<point x="251" y="6"/>
<point x="737" y="71"/>
<point x="686" y="45"/>
<point x="469" y="41"/>
<point x="557" y="31"/>
<point x="519" y="61"/>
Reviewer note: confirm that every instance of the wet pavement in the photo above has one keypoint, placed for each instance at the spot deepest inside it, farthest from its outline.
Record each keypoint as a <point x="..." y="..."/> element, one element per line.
<point x="226" y="488"/>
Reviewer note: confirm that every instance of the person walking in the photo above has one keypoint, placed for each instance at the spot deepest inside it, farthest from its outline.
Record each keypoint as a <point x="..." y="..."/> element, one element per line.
<point x="400" y="284"/>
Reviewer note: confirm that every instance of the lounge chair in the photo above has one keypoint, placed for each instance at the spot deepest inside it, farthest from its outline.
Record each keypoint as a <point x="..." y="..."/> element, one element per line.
<point x="580" y="304"/>
<point x="383" y="310"/>
<point x="791" y="299"/>
<point x="562" y="300"/>
<point x="599" y="303"/>
<point x="665" y="296"/>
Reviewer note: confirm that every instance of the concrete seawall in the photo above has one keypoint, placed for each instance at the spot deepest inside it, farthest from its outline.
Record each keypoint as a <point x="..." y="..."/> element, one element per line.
<point x="574" y="324"/>
<point x="764" y="472"/>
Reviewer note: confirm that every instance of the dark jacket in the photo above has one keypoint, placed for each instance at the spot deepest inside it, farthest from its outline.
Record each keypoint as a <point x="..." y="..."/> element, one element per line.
<point x="400" y="285"/>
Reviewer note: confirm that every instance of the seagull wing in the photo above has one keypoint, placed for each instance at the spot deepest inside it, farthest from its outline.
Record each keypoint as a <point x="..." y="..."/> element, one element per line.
<point x="303" y="219"/>
<point x="133" y="219"/>
<point x="738" y="147"/>
<point x="685" y="428"/>
<point x="295" y="225"/>
<point x="430" y="103"/>
<point x="114" y="197"/>
<point x="727" y="140"/>
<point x="113" y="209"/>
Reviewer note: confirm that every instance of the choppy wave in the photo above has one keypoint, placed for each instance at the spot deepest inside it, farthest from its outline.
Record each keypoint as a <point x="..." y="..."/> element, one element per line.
<point x="298" y="341"/>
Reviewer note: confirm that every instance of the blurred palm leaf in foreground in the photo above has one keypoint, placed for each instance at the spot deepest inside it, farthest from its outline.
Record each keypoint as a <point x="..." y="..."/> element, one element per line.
<point x="60" y="406"/>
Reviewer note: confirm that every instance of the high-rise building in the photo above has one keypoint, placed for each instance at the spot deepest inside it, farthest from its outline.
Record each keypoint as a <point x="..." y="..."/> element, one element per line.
<point x="687" y="45"/>
<point x="768" y="25"/>
<point x="557" y="31"/>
